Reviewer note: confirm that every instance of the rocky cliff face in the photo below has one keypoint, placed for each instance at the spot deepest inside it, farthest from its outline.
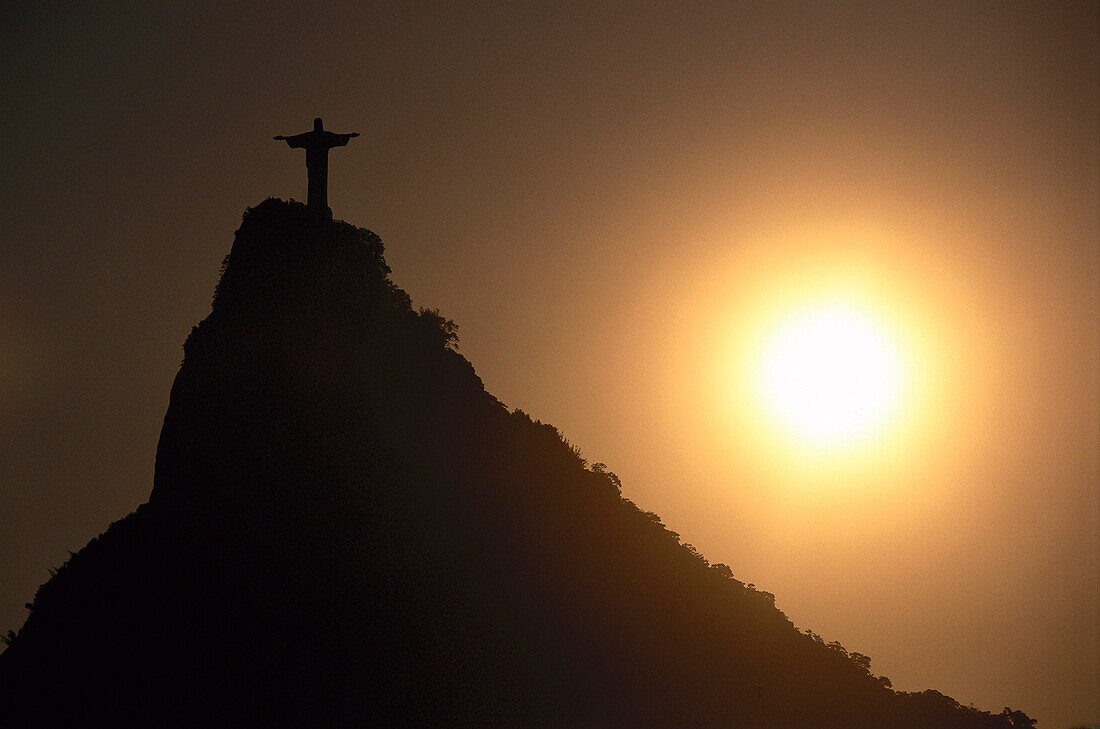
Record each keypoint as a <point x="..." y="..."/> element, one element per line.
<point x="345" y="529"/>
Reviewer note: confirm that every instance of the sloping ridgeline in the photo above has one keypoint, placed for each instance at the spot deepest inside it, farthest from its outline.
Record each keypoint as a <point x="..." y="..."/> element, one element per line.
<point x="345" y="529"/>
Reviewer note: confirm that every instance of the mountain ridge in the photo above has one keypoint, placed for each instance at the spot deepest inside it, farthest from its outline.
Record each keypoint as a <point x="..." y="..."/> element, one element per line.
<point x="345" y="527"/>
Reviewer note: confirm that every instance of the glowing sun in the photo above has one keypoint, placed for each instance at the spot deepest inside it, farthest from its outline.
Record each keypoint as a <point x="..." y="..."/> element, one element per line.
<point x="830" y="375"/>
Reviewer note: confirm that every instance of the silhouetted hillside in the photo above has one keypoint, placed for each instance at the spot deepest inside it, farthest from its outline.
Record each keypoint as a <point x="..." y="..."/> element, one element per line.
<point x="345" y="529"/>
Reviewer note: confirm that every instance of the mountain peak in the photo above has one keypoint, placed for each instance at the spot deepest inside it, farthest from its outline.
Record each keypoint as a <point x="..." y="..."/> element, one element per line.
<point x="346" y="529"/>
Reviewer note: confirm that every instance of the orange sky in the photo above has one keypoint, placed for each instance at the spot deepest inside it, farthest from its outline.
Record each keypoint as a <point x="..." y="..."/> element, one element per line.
<point x="605" y="197"/>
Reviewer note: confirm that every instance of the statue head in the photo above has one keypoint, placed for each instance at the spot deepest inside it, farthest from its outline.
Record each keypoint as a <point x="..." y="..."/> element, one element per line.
<point x="317" y="125"/>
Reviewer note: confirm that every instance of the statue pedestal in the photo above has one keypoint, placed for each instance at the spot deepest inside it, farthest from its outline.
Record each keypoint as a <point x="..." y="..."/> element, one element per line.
<point x="322" y="213"/>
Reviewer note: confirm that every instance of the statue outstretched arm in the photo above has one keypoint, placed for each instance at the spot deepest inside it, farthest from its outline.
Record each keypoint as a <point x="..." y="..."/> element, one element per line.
<point x="298" y="140"/>
<point x="339" y="140"/>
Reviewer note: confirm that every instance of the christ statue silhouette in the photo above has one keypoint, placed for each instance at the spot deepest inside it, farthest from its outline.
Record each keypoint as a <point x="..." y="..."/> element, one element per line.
<point x="317" y="144"/>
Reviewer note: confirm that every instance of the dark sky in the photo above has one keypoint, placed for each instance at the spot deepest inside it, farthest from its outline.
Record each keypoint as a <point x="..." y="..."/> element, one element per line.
<point x="605" y="196"/>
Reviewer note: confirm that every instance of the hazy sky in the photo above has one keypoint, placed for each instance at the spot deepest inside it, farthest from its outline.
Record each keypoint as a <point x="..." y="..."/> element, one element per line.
<point x="611" y="200"/>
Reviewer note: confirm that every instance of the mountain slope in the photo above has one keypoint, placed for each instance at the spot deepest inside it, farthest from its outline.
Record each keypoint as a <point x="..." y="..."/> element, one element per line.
<point x="345" y="529"/>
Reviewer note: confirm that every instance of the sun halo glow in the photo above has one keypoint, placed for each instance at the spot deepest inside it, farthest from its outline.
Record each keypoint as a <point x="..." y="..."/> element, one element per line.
<point x="903" y="309"/>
